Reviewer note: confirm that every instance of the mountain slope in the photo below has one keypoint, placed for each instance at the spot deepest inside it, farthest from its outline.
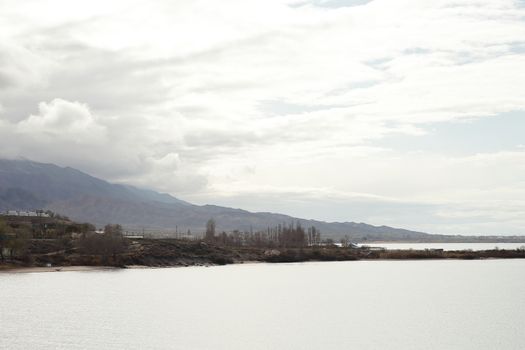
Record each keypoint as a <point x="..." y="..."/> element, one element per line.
<point x="29" y="185"/>
<point x="51" y="183"/>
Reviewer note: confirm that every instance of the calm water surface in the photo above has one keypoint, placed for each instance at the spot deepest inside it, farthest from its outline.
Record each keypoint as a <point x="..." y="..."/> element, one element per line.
<point x="344" y="305"/>
<point x="449" y="246"/>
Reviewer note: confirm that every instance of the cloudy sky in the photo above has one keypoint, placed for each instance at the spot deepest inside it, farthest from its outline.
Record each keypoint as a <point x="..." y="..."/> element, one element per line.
<point x="408" y="113"/>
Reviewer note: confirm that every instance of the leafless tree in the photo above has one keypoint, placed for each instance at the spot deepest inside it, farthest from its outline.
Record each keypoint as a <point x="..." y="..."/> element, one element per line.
<point x="210" y="230"/>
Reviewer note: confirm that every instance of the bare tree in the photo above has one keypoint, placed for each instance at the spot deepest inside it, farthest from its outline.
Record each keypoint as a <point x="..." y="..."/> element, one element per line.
<point x="210" y="230"/>
<point x="3" y="239"/>
<point x="114" y="240"/>
<point x="110" y="244"/>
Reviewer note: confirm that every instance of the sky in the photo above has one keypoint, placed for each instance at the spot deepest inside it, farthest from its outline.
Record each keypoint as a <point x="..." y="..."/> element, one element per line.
<point x="407" y="113"/>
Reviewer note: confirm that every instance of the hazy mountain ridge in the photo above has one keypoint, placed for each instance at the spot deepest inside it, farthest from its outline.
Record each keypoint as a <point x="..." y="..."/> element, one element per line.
<point x="29" y="185"/>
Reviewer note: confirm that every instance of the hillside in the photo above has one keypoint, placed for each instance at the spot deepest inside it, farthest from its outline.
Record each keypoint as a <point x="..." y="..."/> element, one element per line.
<point x="30" y="185"/>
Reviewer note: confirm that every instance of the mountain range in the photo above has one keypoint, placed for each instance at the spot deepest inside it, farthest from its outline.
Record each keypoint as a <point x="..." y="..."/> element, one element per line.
<point x="26" y="185"/>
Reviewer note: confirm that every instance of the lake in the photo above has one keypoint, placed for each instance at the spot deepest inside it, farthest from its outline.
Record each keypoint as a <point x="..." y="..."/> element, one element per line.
<point x="448" y="304"/>
<point x="448" y="246"/>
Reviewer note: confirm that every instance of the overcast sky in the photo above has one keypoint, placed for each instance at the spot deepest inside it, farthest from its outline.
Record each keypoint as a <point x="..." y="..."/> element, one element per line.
<point x="407" y="113"/>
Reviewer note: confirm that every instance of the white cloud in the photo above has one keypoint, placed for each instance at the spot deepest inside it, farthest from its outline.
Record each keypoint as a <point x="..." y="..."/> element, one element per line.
<point x="20" y="68"/>
<point x="69" y="134"/>
<point x="63" y="120"/>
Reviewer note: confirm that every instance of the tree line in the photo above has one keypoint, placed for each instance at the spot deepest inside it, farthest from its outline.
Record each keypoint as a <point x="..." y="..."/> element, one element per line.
<point x="16" y="240"/>
<point x="292" y="235"/>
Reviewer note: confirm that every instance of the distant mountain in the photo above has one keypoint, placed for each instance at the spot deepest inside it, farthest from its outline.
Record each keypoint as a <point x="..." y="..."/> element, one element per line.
<point x="30" y="185"/>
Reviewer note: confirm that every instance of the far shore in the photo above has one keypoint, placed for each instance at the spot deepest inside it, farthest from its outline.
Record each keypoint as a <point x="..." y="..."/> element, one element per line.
<point x="438" y="242"/>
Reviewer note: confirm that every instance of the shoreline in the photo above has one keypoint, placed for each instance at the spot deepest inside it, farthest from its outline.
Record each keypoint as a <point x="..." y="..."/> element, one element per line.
<point x="149" y="253"/>
<point x="37" y="269"/>
<point x="84" y="268"/>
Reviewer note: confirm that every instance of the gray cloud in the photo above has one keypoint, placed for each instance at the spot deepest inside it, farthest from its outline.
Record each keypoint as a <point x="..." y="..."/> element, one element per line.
<point x="245" y="97"/>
